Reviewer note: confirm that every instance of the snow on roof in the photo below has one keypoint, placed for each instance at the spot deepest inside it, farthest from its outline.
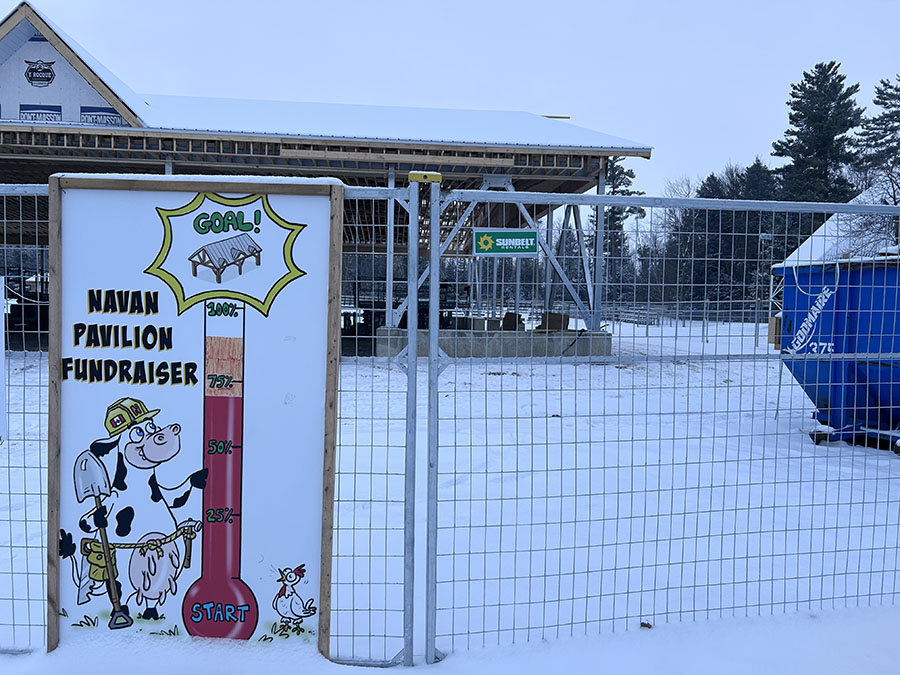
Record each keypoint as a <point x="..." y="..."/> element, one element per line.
<point x="377" y="123"/>
<point x="203" y="178"/>
<point x="844" y="236"/>
<point x="134" y="101"/>
<point x="326" y="121"/>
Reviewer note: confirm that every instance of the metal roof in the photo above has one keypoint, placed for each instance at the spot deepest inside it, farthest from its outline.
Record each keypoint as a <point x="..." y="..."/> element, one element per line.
<point x="336" y="122"/>
<point x="330" y="121"/>
<point x="229" y="250"/>
<point x="360" y="144"/>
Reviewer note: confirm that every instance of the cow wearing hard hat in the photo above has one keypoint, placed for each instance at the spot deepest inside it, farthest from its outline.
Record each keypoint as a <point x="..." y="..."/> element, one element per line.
<point x="156" y="560"/>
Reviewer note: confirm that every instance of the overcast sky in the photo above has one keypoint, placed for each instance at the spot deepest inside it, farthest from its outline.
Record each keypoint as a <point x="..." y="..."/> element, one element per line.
<point x="704" y="83"/>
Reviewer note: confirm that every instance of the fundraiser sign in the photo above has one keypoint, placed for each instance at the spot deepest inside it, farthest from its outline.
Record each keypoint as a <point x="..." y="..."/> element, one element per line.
<point x="192" y="378"/>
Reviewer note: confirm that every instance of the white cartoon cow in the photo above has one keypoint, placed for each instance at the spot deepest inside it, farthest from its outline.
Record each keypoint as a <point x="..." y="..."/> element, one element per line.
<point x="156" y="560"/>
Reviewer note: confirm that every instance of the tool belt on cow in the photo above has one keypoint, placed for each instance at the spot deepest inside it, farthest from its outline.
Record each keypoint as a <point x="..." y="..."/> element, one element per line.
<point x="92" y="549"/>
<point x="93" y="553"/>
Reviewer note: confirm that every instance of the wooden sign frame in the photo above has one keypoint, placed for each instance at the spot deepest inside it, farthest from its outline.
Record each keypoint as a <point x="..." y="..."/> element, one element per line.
<point x="334" y="191"/>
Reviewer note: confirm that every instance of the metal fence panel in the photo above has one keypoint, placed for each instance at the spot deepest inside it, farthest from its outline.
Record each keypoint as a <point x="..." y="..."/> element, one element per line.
<point x="611" y="438"/>
<point x="374" y="507"/>
<point x="23" y="454"/>
<point x="617" y="442"/>
<point x="371" y="568"/>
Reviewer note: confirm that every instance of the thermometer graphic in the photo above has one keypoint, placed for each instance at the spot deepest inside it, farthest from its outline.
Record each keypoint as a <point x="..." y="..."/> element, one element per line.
<point x="226" y="276"/>
<point x="219" y="603"/>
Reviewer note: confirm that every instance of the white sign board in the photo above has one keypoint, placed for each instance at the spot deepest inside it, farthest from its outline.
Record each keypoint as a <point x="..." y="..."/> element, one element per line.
<point x="191" y="356"/>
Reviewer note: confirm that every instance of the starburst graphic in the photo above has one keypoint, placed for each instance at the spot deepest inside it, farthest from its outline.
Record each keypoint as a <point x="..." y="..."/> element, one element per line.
<point x="485" y="242"/>
<point x="262" y="301"/>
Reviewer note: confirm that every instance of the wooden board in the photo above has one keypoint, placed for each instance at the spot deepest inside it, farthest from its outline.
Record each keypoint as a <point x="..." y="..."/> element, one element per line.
<point x="331" y="387"/>
<point x="53" y="430"/>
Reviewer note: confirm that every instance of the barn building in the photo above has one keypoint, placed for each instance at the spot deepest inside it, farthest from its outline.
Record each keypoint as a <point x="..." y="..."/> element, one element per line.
<point x="62" y="110"/>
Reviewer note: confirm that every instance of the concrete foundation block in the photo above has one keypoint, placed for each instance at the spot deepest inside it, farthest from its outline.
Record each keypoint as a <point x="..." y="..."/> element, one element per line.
<point x="495" y="344"/>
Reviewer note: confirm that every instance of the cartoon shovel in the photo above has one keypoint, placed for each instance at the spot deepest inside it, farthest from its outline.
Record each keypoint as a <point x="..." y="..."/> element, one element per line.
<point x="91" y="480"/>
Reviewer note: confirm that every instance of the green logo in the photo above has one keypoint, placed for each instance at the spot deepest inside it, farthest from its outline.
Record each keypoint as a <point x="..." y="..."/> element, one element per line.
<point x="498" y="241"/>
<point x="485" y="243"/>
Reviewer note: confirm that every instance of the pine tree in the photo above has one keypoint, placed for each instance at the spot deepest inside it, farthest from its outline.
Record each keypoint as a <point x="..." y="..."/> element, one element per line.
<point x="730" y="250"/>
<point x="818" y="141"/>
<point x="666" y="250"/>
<point x="719" y="267"/>
<point x="879" y="142"/>
<point x="619" y="272"/>
<point x="773" y="242"/>
<point x="760" y="182"/>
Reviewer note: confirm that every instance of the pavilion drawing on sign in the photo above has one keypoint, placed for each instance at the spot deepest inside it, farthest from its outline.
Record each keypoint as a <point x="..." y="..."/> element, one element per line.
<point x="218" y="255"/>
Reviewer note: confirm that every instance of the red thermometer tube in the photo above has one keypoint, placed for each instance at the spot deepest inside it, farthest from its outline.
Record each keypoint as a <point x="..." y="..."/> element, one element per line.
<point x="219" y="603"/>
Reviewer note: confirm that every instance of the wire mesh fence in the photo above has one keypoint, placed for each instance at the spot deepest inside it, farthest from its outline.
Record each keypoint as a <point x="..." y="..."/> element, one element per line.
<point x="370" y="552"/>
<point x="635" y="439"/>
<point x="675" y="409"/>
<point x="367" y="623"/>
<point x="23" y="453"/>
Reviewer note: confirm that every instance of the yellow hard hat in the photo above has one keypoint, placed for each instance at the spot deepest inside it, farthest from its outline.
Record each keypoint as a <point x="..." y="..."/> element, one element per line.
<point x="125" y="412"/>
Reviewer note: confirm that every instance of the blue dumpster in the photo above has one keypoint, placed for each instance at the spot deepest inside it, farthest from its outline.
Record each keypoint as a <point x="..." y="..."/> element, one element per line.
<point x="840" y="339"/>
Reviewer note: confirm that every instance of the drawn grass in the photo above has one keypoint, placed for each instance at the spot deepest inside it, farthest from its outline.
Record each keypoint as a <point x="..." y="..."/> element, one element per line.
<point x="168" y="632"/>
<point x="86" y="622"/>
<point x="287" y="630"/>
<point x="280" y="630"/>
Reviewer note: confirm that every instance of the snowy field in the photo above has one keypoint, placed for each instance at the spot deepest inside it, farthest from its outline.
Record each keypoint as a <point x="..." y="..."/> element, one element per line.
<point x="824" y="643"/>
<point x="574" y="498"/>
<point x="676" y="481"/>
<point x="588" y="498"/>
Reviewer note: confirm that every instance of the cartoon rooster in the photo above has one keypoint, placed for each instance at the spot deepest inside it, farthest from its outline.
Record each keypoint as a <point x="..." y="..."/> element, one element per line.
<point x="290" y="606"/>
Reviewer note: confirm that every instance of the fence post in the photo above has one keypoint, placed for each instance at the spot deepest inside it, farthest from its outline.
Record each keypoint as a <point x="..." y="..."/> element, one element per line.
<point x="600" y="227"/>
<point x="389" y="319"/>
<point x="706" y="320"/>
<point x="434" y="281"/>
<point x="548" y="269"/>
<point x="756" y="320"/>
<point x="409" y="478"/>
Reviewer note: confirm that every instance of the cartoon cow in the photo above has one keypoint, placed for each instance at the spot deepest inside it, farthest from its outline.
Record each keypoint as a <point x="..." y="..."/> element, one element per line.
<point x="156" y="561"/>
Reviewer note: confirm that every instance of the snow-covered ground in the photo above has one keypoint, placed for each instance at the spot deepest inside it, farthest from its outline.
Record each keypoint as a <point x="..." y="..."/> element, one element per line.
<point x="675" y="482"/>
<point x="580" y="498"/>
<point x="824" y="643"/>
